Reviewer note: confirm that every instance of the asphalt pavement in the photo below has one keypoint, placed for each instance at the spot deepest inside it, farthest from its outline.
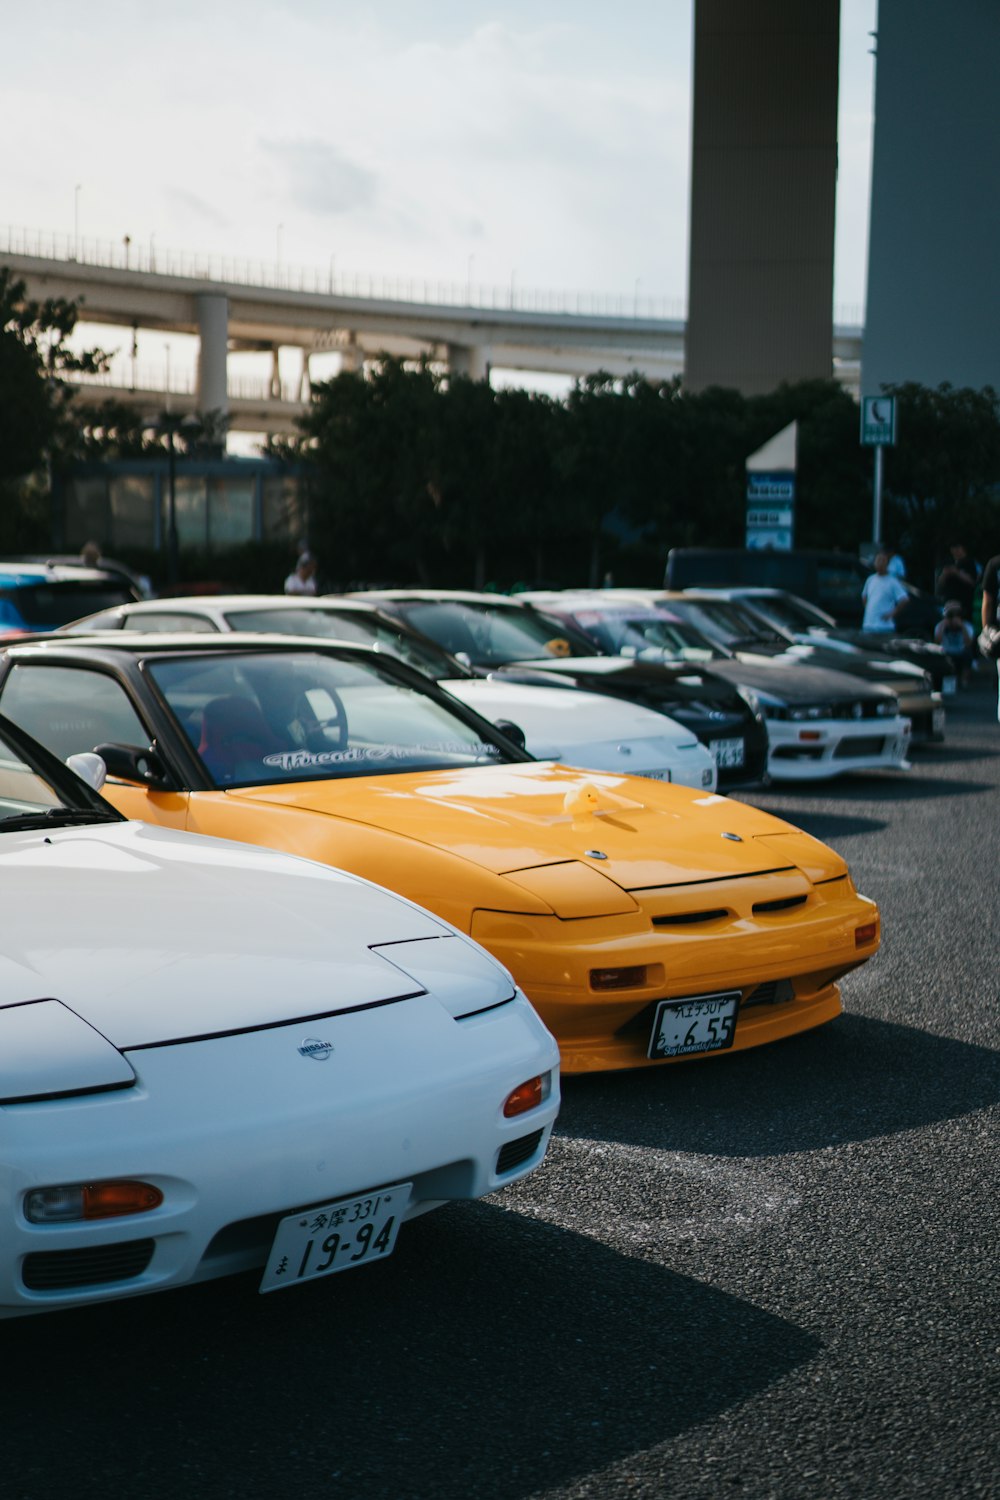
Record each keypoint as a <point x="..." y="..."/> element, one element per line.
<point x="772" y="1274"/>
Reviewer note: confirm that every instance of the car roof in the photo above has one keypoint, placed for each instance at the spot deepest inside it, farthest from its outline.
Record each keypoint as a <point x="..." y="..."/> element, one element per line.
<point x="24" y="574"/>
<point x="108" y="644"/>
<point x="201" y="603"/>
<point x="439" y="596"/>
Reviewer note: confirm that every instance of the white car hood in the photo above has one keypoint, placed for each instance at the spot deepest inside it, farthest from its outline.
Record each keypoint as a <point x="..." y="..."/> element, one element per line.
<point x="151" y="935"/>
<point x="558" y="720"/>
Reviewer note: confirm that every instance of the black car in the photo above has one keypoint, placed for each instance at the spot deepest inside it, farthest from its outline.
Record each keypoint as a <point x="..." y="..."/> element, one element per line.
<point x="807" y="623"/>
<point x="734" y="625"/>
<point x="500" y="636"/>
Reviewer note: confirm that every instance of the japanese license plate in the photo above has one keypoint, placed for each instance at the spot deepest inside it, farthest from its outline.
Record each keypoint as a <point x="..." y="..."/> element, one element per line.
<point x="657" y="775"/>
<point x="335" y="1237"/>
<point x="701" y="1023"/>
<point x="727" y="752"/>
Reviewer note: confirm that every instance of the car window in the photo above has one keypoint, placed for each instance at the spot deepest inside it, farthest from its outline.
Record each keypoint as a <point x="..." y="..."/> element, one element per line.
<point x="107" y="619"/>
<point x="45" y="606"/>
<point x="70" y="709"/>
<point x="652" y="635"/>
<point x="165" y="620"/>
<point x="488" y="635"/>
<point x="265" y="717"/>
<point x="788" y="612"/>
<point x="347" y="625"/>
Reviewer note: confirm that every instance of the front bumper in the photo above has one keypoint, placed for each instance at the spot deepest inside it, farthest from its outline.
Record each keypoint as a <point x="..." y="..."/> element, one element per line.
<point x="690" y="941"/>
<point x="816" y="750"/>
<point x="240" y="1130"/>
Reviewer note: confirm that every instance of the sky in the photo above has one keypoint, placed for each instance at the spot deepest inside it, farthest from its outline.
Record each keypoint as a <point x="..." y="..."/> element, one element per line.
<point x="544" y="145"/>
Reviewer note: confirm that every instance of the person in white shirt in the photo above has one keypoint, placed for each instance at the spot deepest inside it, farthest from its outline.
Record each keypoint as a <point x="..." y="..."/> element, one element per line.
<point x="303" y="580"/>
<point x="884" y="597"/>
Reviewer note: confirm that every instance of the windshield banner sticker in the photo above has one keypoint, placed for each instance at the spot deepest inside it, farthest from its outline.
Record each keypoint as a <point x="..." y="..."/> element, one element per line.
<point x="298" y="760"/>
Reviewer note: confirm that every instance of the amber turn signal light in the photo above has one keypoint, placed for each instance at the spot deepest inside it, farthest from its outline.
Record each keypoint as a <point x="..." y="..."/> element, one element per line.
<point x="526" y="1096"/>
<point x="90" y="1200"/>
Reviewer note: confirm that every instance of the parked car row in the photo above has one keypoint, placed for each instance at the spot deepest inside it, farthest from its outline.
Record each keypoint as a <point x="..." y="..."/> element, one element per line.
<point x="381" y="871"/>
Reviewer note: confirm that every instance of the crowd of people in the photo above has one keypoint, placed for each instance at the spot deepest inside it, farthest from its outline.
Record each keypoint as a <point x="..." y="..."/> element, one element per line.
<point x="962" y="632"/>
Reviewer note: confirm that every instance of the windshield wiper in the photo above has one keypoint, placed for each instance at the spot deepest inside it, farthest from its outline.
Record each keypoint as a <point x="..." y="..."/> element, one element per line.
<point x="58" y="817"/>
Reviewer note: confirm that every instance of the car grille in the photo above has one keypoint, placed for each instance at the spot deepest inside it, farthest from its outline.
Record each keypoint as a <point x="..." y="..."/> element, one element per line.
<point x="516" y="1153"/>
<point x="868" y="710"/>
<point x="868" y="744"/>
<point x="61" y="1270"/>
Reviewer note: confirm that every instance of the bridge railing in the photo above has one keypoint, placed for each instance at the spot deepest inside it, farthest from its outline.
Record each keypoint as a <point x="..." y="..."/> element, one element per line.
<point x="147" y="257"/>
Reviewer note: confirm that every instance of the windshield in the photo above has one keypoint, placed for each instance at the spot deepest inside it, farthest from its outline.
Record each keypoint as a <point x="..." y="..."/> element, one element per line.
<point x="489" y="635"/>
<point x="724" y="620"/>
<point x="646" y="636"/>
<point x="789" y="612"/>
<point x="258" y="717"/>
<point x="349" y="625"/>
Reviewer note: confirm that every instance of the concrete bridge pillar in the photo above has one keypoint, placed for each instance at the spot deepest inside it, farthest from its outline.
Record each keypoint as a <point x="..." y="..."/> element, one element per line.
<point x="213" y="330"/>
<point x="472" y="360"/>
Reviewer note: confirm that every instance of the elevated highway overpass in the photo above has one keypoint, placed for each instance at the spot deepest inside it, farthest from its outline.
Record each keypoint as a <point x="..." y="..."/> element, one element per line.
<point x="237" y="307"/>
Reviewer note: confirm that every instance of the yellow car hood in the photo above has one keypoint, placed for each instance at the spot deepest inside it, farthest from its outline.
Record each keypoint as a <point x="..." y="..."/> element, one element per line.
<point x="519" y="817"/>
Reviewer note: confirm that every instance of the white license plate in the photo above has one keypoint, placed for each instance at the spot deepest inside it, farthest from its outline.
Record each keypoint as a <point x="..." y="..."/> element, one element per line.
<point x="949" y="684"/>
<point x="701" y="1023"/>
<point x="657" y="775"/>
<point x="727" y="752"/>
<point x="335" y="1237"/>
<point x="937" y="720"/>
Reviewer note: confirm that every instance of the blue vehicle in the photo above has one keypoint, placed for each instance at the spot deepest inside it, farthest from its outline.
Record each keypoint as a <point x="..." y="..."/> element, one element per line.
<point x="38" y="597"/>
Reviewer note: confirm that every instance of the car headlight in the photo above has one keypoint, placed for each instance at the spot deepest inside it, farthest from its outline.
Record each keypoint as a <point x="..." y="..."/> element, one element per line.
<point x="48" y="1051"/>
<point x="886" y="708"/>
<point x="454" y="970"/>
<point x="802" y="711"/>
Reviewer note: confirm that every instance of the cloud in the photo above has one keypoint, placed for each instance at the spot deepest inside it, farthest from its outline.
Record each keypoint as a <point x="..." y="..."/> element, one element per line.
<point x="319" y="179"/>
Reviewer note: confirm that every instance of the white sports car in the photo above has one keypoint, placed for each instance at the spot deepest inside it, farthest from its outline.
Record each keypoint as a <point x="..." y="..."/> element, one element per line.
<point x="577" y="728"/>
<point x="215" y="1058"/>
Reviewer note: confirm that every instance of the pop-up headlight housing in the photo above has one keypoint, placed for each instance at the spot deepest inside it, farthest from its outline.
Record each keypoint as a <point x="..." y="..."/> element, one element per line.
<point x="48" y="1051"/>
<point x="456" y="971"/>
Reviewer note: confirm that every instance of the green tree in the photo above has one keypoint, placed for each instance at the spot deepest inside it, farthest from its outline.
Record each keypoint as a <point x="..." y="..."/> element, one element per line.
<point x="35" y="361"/>
<point x="942" y="476"/>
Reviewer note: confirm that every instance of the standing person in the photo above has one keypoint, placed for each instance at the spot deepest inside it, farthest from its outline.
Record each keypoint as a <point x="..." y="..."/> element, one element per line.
<point x="303" y="579"/>
<point x="956" y="638"/>
<point x="959" y="578"/>
<point x="990" y="604"/>
<point x="884" y="597"/>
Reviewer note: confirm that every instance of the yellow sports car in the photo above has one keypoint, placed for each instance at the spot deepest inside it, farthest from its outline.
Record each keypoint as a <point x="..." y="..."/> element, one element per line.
<point x="645" y="921"/>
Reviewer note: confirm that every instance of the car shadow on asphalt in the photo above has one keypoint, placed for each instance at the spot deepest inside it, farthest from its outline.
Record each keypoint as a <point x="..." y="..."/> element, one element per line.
<point x="849" y="1081"/>
<point x="494" y="1355"/>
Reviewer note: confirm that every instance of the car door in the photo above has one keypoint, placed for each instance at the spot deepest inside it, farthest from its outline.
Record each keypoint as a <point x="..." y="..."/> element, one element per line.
<point x="70" y="709"/>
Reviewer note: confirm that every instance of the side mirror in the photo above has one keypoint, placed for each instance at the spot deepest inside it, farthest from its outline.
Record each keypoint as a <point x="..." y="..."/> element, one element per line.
<point x="512" y="731"/>
<point x="133" y="763"/>
<point x="89" y="767"/>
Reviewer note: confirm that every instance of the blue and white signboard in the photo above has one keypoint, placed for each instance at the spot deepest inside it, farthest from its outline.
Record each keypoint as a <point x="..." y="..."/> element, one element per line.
<point x="770" y="523"/>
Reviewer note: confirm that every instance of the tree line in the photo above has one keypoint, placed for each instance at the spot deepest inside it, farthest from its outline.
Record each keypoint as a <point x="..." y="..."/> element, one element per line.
<point x="418" y="476"/>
